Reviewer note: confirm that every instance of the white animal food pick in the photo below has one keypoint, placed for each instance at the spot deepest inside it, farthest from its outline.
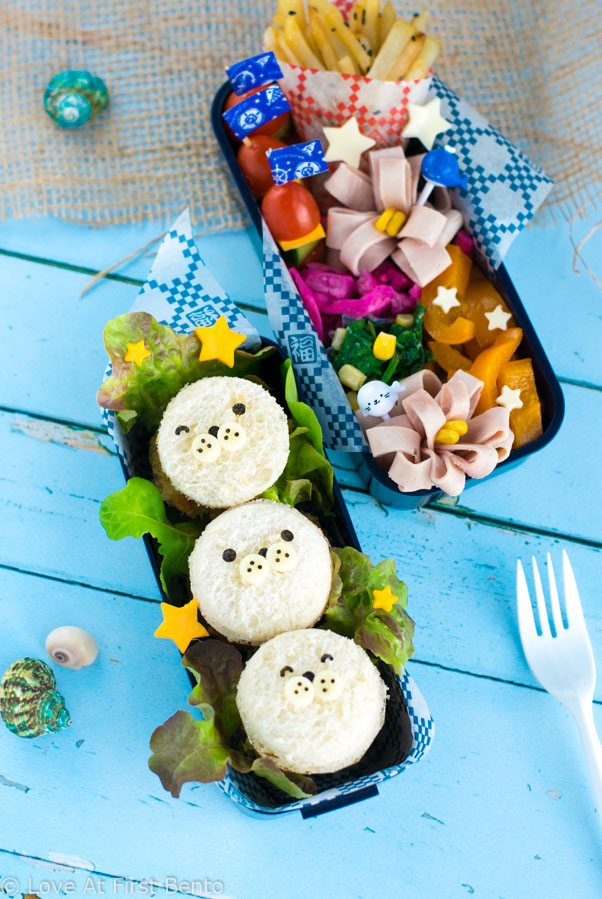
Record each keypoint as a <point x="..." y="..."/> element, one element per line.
<point x="377" y="398"/>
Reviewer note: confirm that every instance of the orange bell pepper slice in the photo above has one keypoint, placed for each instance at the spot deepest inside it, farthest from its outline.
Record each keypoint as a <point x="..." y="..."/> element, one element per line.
<point x="525" y="422"/>
<point x="446" y="329"/>
<point x="481" y="297"/>
<point x="488" y="365"/>
<point x="455" y="275"/>
<point x="448" y="358"/>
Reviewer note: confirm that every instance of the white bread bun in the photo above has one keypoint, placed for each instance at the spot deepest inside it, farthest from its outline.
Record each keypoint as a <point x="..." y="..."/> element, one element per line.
<point x="203" y="465"/>
<point x="251" y="602"/>
<point x="311" y="726"/>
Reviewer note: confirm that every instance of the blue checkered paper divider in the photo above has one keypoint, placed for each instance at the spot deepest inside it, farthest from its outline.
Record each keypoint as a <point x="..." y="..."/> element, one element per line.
<point x="181" y="292"/>
<point x="316" y="379"/>
<point x="504" y="188"/>
<point x="423" y="731"/>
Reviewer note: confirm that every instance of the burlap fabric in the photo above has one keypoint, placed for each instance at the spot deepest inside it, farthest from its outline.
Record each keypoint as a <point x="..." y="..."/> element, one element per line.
<point x="533" y="69"/>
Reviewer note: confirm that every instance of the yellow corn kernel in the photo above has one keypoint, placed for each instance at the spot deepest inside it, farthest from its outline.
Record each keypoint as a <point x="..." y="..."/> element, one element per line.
<point x="351" y="377"/>
<point x="381" y="223"/>
<point x="459" y="426"/>
<point x="337" y="338"/>
<point x="384" y="346"/>
<point x="405" y="320"/>
<point x="352" y="398"/>
<point x="396" y="223"/>
<point x="447" y="436"/>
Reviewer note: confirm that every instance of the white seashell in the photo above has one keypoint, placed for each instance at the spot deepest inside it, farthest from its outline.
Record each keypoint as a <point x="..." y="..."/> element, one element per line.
<point x="71" y="647"/>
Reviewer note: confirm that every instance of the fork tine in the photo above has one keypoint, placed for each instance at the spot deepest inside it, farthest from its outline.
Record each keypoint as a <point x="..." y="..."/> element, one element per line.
<point x="542" y="613"/>
<point x="574" y="612"/>
<point x="526" y="621"/>
<point x="554" y="601"/>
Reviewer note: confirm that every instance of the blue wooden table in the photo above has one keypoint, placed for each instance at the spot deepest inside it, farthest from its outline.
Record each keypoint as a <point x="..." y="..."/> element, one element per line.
<point x="502" y="805"/>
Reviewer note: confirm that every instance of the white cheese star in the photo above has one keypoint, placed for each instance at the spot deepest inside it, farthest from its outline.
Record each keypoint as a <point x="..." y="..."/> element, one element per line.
<point x="347" y="143"/>
<point x="446" y="298"/>
<point x="510" y="398"/>
<point x="498" y="319"/>
<point x="426" y="122"/>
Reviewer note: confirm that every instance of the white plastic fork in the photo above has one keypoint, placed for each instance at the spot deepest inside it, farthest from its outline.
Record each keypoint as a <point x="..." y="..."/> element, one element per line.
<point x="563" y="664"/>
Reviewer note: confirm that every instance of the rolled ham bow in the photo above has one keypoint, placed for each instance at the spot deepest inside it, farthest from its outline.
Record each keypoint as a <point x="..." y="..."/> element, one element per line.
<point x="392" y="184"/>
<point x="406" y="444"/>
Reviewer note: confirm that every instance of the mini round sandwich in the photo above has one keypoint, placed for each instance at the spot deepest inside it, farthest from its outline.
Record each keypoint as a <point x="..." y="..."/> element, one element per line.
<point x="260" y="569"/>
<point x="312" y="701"/>
<point x="222" y="441"/>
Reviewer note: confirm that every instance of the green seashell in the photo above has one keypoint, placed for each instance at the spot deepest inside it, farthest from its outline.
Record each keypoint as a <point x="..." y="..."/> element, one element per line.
<point x="73" y="97"/>
<point x="30" y="704"/>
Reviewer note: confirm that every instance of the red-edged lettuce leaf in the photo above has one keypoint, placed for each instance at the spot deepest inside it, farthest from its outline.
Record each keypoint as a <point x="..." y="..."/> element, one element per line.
<point x="141" y="392"/>
<point x="186" y="749"/>
<point x="308" y="474"/>
<point x="351" y="613"/>
<point x="137" y="510"/>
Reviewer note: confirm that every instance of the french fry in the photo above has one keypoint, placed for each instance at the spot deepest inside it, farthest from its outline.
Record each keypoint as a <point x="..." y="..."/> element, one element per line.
<point x="270" y="41"/>
<point x="419" y="20"/>
<point x="286" y="52"/>
<point x="397" y="38"/>
<point x="338" y="47"/>
<point x="406" y="58"/>
<point x="345" y="65"/>
<point x="298" y="44"/>
<point x="357" y="17"/>
<point x="295" y="9"/>
<point x="363" y="40"/>
<point x="427" y="56"/>
<point x="323" y="45"/>
<point x="336" y="22"/>
<point x="386" y="21"/>
<point x="370" y="28"/>
<point x="311" y="43"/>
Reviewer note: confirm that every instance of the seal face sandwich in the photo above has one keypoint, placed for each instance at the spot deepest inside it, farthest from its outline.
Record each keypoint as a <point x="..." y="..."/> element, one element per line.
<point x="311" y="700"/>
<point x="222" y="441"/>
<point x="260" y="569"/>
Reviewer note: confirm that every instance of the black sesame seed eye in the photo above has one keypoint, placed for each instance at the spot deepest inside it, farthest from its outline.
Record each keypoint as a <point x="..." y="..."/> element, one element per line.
<point x="326" y="656"/>
<point x="213" y="430"/>
<point x="287" y="535"/>
<point x="182" y="429"/>
<point x="229" y="555"/>
<point x="285" y="669"/>
<point x="239" y="408"/>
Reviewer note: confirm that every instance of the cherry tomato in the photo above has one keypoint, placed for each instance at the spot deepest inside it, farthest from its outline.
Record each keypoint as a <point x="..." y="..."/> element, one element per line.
<point x="290" y="211"/>
<point x="277" y="127"/>
<point x="254" y="162"/>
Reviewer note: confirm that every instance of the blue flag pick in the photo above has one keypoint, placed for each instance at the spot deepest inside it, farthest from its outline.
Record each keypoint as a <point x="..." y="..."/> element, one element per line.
<point x="253" y="72"/>
<point x="256" y="110"/>
<point x="297" y="161"/>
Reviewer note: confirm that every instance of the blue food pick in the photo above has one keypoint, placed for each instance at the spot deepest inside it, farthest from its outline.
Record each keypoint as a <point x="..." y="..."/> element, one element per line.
<point x="297" y="161"/>
<point x="253" y="72"/>
<point x="441" y="167"/>
<point x="256" y="110"/>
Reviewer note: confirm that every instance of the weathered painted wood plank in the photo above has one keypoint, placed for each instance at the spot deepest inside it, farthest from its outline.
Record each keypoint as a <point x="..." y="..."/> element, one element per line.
<point x="552" y="489"/>
<point x="460" y="574"/>
<point x="540" y="263"/>
<point x="51" y="340"/>
<point x="501" y="807"/>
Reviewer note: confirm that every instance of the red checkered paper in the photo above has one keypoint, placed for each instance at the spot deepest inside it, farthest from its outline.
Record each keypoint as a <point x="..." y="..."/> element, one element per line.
<point x="321" y="99"/>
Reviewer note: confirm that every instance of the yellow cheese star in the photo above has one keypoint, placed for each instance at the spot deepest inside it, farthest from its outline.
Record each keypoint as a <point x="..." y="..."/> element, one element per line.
<point x="384" y="599"/>
<point x="347" y="143"/>
<point x="219" y="342"/>
<point x="180" y="624"/>
<point x="510" y="398"/>
<point x="426" y="122"/>
<point x="447" y="298"/>
<point x="137" y="352"/>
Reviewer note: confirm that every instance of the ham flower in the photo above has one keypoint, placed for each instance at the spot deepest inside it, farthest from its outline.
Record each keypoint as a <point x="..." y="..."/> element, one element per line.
<point x="407" y="447"/>
<point x="419" y="247"/>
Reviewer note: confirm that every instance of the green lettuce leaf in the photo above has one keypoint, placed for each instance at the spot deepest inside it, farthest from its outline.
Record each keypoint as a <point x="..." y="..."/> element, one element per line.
<point x="388" y="635"/>
<point x="137" y="510"/>
<point x="217" y="667"/>
<point x="141" y="392"/>
<point x="308" y="474"/>
<point x="186" y="749"/>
